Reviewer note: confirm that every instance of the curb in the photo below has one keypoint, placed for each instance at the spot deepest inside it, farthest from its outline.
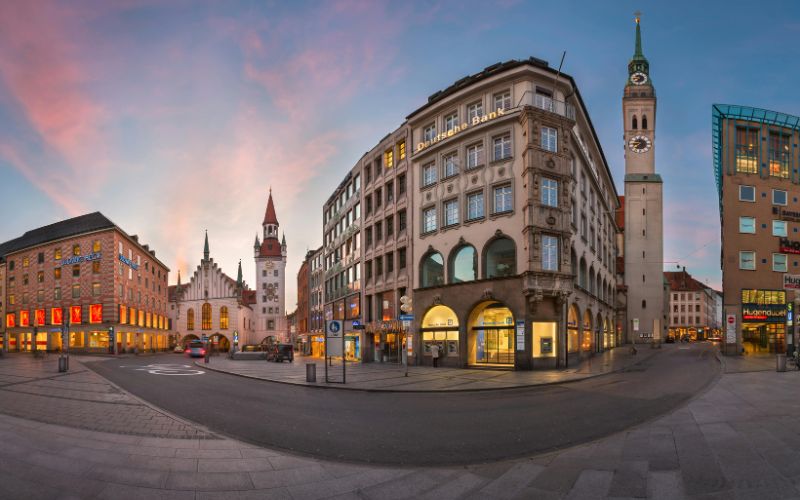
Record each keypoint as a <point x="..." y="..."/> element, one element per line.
<point x="432" y="391"/>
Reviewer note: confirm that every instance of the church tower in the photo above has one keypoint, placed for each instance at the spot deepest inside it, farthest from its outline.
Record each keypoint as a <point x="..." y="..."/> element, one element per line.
<point x="644" y="221"/>
<point x="270" y="257"/>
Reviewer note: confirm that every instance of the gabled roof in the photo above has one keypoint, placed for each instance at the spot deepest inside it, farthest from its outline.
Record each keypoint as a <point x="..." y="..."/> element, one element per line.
<point x="683" y="282"/>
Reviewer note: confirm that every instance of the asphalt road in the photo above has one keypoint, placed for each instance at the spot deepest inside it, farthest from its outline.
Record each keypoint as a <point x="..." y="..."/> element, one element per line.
<point x="420" y="428"/>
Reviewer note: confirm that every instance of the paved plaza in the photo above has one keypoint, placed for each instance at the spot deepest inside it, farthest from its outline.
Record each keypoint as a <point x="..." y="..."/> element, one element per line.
<point x="391" y="377"/>
<point x="739" y="439"/>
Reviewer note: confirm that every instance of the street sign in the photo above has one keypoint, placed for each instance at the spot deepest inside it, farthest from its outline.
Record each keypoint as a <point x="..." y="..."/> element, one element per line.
<point x="333" y="328"/>
<point x="334" y="338"/>
<point x="406" y="324"/>
<point x="730" y="329"/>
<point x="635" y="324"/>
<point x="358" y="326"/>
<point x="520" y="335"/>
<point x="406" y="317"/>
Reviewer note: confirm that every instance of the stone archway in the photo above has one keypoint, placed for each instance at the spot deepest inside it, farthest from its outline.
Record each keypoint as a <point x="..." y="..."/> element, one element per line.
<point x="188" y="338"/>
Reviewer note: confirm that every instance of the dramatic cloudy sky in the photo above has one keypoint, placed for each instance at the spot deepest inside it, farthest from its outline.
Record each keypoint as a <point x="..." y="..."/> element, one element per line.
<point x="175" y="117"/>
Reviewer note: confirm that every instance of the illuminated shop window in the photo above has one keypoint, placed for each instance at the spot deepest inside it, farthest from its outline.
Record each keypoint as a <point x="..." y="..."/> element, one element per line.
<point x="206" y="316"/>
<point x="747" y="150"/>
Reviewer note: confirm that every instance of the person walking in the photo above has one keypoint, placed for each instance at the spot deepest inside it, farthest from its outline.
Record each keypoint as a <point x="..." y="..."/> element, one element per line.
<point x="435" y="354"/>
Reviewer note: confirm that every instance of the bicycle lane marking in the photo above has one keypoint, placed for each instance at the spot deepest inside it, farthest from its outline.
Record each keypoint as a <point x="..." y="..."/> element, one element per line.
<point x="166" y="369"/>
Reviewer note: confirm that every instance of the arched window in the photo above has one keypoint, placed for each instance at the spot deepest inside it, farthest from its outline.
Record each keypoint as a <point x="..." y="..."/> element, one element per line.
<point x="190" y="319"/>
<point x="592" y="281"/>
<point x="431" y="272"/>
<point x="463" y="264"/>
<point x="206" y="316"/>
<point x="574" y="265"/>
<point x="582" y="274"/>
<point x="634" y="124"/>
<point x="501" y="258"/>
<point x="644" y="304"/>
<point x="223" y="318"/>
<point x="644" y="122"/>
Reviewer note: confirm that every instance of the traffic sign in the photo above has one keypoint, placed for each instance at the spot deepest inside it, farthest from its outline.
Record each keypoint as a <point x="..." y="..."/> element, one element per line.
<point x="334" y="328"/>
<point x="406" y="317"/>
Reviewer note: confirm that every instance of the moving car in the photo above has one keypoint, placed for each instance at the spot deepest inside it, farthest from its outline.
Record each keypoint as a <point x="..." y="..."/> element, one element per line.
<point x="195" y="349"/>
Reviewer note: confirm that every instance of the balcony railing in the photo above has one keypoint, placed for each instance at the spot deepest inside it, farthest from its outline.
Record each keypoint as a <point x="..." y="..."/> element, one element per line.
<point x="547" y="103"/>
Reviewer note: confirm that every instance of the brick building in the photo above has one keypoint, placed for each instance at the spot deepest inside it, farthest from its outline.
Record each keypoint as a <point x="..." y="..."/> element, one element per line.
<point x="89" y="274"/>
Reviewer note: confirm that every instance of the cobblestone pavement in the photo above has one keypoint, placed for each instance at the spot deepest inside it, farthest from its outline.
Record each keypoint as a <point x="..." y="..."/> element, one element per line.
<point x="33" y="389"/>
<point x="740" y="439"/>
<point x="391" y="377"/>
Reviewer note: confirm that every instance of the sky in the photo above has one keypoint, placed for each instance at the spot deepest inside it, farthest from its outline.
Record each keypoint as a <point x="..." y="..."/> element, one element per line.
<point x="176" y="117"/>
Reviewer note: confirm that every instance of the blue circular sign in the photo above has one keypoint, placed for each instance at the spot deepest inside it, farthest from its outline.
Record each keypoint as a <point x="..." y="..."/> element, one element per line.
<point x="334" y="327"/>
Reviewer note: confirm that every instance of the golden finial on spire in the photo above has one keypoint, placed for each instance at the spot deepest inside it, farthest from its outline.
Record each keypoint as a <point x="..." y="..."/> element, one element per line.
<point x="637" y="15"/>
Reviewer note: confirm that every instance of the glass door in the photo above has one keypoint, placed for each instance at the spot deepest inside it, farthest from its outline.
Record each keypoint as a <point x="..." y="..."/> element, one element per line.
<point x="494" y="346"/>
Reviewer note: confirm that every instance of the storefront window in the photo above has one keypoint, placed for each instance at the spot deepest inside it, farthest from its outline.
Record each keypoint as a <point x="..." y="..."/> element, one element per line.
<point x="544" y="339"/>
<point x="353" y="310"/>
<point x="491" y="335"/>
<point x="75" y="339"/>
<point x="387" y="306"/>
<point x="572" y="329"/>
<point x="98" y="339"/>
<point x="352" y="347"/>
<point x="586" y="334"/>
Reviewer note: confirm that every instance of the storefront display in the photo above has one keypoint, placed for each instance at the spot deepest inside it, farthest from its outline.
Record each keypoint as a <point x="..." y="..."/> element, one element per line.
<point x="764" y="319"/>
<point x="491" y="332"/>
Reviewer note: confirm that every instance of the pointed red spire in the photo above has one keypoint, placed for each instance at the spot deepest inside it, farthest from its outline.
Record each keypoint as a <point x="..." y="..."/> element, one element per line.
<point x="269" y="216"/>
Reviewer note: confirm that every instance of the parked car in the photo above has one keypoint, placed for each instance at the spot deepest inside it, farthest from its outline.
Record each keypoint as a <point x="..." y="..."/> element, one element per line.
<point x="195" y="349"/>
<point x="670" y="339"/>
<point x="279" y="352"/>
<point x="178" y="348"/>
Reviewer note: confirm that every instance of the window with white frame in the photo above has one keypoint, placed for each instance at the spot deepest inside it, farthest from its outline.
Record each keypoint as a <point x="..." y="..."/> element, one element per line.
<point x="747" y="193"/>
<point x="778" y="228"/>
<point x="502" y="147"/>
<point x="450" y="122"/>
<point x="429" y="132"/>
<point x="747" y="260"/>
<point x="475" y="205"/>
<point x="450" y="165"/>
<point x="429" y="174"/>
<point x="779" y="262"/>
<point x="779" y="197"/>
<point x="503" y="201"/>
<point x="451" y="212"/>
<point x="549" y="253"/>
<point x="550" y="139"/>
<point x="474" y="110"/>
<point x="502" y="100"/>
<point x="474" y="155"/>
<point x="747" y="225"/>
<point x="429" y="220"/>
<point x="549" y="192"/>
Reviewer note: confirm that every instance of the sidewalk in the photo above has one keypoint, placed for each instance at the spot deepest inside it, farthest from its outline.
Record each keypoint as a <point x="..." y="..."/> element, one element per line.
<point x="750" y="363"/>
<point x="390" y="377"/>
<point x="738" y="440"/>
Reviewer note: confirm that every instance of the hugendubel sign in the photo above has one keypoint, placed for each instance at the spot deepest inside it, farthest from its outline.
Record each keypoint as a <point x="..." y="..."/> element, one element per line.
<point x="789" y="246"/>
<point x="791" y="281"/>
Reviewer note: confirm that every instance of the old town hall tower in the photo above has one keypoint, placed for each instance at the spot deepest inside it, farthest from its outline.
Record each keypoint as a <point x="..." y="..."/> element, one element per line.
<point x="644" y="221"/>
<point x="270" y="255"/>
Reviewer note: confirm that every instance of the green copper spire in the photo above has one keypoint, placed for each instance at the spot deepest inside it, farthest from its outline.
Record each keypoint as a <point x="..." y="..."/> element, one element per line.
<point x="638" y="52"/>
<point x="638" y="67"/>
<point x="239" y="275"/>
<point x="205" y="249"/>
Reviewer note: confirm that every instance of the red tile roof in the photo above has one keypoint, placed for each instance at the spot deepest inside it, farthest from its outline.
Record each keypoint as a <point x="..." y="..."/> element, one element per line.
<point x="270" y="248"/>
<point x="683" y="282"/>
<point x="269" y="216"/>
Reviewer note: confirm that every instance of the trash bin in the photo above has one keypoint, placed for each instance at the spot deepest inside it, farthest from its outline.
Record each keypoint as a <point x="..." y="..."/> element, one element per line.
<point x="62" y="364"/>
<point x="311" y="372"/>
<point x="780" y="362"/>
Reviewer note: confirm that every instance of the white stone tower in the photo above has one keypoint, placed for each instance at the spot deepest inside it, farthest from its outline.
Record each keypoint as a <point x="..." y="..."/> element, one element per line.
<point x="270" y="257"/>
<point x="644" y="220"/>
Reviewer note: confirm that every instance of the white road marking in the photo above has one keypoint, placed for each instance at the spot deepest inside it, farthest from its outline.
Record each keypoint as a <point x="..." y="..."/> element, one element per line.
<point x="166" y="369"/>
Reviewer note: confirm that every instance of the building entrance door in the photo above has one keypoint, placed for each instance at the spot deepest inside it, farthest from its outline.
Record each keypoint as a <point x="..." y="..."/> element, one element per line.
<point x="494" y="346"/>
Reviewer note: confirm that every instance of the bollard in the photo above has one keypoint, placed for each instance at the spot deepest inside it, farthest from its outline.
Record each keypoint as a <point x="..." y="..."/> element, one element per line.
<point x="780" y="362"/>
<point x="311" y="372"/>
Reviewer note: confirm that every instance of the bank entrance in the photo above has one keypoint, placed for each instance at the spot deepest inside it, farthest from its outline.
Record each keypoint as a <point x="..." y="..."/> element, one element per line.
<point x="491" y="335"/>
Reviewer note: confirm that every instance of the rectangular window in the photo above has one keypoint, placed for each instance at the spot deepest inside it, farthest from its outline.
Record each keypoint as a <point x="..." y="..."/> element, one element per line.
<point x="378" y="198"/>
<point x="401" y="150"/>
<point x="401" y="185"/>
<point x="401" y="258"/>
<point x="747" y="261"/>
<point x="429" y="220"/>
<point x="76" y="291"/>
<point x="451" y="212"/>
<point x="475" y="155"/>
<point x="402" y="221"/>
<point x="779" y="155"/>
<point x="450" y="165"/>
<point x="549" y="192"/>
<point x="40" y="296"/>
<point x="388" y="158"/>
<point x="96" y="267"/>
<point x="502" y="147"/>
<point x="389" y="262"/>
<point x="40" y="258"/>
<point x="76" y="250"/>
<point x="502" y="100"/>
<point x="378" y="266"/>
<point x="543" y="100"/>
<point x="747" y="150"/>
<point x="40" y="277"/>
<point x="549" y="253"/>
<point x="474" y="110"/>
<point x="378" y="231"/>
<point x="748" y="225"/>
<point x="57" y="293"/>
<point x="779" y="262"/>
<point x="778" y="228"/>
<point x="779" y="197"/>
<point x="96" y="247"/>
<point x="57" y="254"/>
<point x="429" y="174"/>
<point x="550" y="139"/>
<point x="76" y="270"/>
<point x="747" y="193"/>
<point x="429" y="132"/>
<point x="95" y="289"/>
<point x="475" y="205"/>
<point x="390" y="226"/>
<point x="503" y="201"/>
<point x="389" y="189"/>
<point x="450" y="122"/>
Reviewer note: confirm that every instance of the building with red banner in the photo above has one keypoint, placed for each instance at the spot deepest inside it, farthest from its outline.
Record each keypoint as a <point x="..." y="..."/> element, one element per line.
<point x="90" y="276"/>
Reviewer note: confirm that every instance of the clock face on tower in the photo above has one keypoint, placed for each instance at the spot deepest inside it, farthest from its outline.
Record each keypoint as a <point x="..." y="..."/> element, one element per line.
<point x="638" y="78"/>
<point x="639" y="144"/>
<point x="268" y="264"/>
